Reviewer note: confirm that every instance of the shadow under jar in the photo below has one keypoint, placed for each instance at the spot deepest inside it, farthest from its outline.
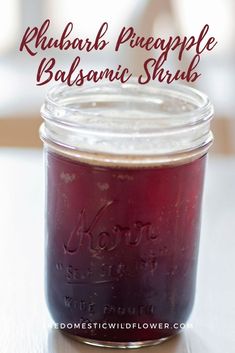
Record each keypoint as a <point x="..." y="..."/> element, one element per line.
<point x="124" y="169"/>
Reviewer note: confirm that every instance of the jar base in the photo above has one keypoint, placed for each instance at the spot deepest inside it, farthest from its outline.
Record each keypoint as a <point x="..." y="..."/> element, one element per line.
<point x="112" y="344"/>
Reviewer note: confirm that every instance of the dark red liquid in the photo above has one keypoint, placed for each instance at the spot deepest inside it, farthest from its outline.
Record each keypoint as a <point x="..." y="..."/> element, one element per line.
<point x="122" y="245"/>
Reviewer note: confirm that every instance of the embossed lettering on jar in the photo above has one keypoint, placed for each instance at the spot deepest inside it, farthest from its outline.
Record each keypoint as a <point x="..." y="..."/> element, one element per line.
<point x="125" y="168"/>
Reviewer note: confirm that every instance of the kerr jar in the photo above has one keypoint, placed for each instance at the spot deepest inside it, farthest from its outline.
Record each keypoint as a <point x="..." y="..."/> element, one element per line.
<point x="125" y="168"/>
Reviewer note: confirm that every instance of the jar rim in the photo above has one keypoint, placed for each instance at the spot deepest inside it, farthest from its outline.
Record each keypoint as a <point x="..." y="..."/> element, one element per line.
<point x="58" y="106"/>
<point x="130" y="121"/>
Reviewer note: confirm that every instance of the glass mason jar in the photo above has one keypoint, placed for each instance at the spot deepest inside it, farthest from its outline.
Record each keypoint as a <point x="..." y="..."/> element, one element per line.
<point x="125" y="169"/>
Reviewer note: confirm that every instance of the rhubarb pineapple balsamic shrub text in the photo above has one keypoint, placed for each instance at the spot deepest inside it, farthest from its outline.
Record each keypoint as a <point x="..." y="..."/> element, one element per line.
<point x="125" y="169"/>
<point x="154" y="68"/>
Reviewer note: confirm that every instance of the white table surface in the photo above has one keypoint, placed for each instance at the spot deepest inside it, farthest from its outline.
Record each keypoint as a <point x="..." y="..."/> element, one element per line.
<point x="25" y="325"/>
